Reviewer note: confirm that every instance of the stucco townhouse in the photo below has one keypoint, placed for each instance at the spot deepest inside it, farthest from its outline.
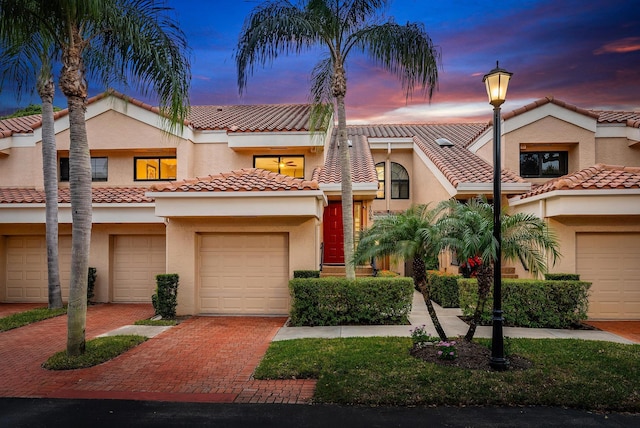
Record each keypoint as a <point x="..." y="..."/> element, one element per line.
<point x="244" y="195"/>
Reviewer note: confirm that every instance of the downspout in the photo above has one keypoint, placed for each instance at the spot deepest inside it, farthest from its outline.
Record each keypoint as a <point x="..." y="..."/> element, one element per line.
<point x="387" y="178"/>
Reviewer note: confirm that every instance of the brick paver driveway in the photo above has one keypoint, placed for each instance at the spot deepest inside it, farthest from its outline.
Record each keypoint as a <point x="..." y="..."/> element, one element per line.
<point x="203" y="359"/>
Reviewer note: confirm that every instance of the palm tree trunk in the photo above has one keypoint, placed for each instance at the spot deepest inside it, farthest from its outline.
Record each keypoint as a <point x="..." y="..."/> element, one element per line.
<point x="46" y="90"/>
<point x="339" y="91"/>
<point x="420" y="282"/>
<point x="74" y="87"/>
<point x="485" y="275"/>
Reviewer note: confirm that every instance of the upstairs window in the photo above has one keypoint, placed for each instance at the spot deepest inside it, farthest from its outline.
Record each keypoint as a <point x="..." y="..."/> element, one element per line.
<point x="155" y="169"/>
<point x="99" y="169"/>
<point x="399" y="181"/>
<point x="292" y="166"/>
<point x="380" y="173"/>
<point x="543" y="164"/>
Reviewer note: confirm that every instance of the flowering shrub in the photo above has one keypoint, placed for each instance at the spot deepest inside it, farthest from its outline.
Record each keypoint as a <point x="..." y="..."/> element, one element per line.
<point x="420" y="337"/>
<point x="469" y="269"/>
<point x="447" y="350"/>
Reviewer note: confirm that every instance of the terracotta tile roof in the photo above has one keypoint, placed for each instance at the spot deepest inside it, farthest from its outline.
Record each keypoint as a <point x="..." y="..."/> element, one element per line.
<point x="629" y="118"/>
<point x="547" y="100"/>
<point x="99" y="195"/>
<point x="19" y="125"/>
<point x="242" y="180"/>
<point x="251" y="118"/>
<point x="362" y="166"/>
<point x="455" y="162"/>
<point x="597" y="177"/>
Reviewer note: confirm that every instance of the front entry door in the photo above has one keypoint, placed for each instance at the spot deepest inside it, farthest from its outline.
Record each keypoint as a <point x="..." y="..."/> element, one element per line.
<point x="332" y="229"/>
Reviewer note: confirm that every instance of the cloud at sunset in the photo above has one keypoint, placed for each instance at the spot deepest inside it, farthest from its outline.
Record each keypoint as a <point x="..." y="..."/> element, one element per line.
<point x="628" y="44"/>
<point x="584" y="52"/>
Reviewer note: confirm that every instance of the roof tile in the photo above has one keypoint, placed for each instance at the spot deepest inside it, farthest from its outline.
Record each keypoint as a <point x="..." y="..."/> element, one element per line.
<point x="243" y="180"/>
<point x="251" y="118"/>
<point x="455" y="162"/>
<point x="99" y="195"/>
<point x="597" y="177"/>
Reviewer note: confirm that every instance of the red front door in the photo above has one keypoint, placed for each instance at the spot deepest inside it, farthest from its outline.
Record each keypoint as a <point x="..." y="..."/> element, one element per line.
<point x="332" y="230"/>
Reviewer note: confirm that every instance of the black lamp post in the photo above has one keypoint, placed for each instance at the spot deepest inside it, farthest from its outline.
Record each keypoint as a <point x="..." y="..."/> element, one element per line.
<point x="497" y="81"/>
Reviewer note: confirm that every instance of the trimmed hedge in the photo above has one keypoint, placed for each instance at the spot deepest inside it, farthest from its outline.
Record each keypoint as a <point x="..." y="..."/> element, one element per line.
<point x="531" y="303"/>
<point x="166" y="298"/>
<point x="306" y="274"/>
<point x="443" y="288"/>
<point x="338" y="301"/>
<point x="562" y="277"/>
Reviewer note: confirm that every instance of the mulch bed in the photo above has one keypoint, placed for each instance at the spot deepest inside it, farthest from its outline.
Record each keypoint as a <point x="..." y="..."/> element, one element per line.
<point x="471" y="355"/>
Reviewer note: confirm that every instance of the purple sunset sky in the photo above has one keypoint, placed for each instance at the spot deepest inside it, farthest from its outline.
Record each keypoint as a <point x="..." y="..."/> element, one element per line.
<point x="584" y="52"/>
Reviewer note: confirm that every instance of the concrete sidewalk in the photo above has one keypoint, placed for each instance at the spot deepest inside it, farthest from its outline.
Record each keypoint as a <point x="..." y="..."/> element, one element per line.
<point x="451" y="323"/>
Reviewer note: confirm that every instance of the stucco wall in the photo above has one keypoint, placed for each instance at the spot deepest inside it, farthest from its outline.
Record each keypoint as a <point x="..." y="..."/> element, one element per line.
<point x="550" y="133"/>
<point x="182" y="251"/>
<point x="616" y="151"/>
<point x="22" y="168"/>
<point x="112" y="130"/>
<point x="427" y="187"/>
<point x="566" y="229"/>
<point x="403" y="157"/>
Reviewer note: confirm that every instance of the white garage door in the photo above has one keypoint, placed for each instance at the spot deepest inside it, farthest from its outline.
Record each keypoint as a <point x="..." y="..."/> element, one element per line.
<point x="244" y="273"/>
<point x="27" y="268"/>
<point x="137" y="259"/>
<point x="610" y="262"/>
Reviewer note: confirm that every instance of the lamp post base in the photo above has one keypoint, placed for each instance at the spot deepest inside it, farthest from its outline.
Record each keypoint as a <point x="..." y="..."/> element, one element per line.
<point x="498" y="361"/>
<point x="499" y="364"/>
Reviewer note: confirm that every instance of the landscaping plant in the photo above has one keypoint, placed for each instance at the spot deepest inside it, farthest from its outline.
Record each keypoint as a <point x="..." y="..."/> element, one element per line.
<point x="467" y="230"/>
<point x="165" y="300"/>
<point x="411" y="235"/>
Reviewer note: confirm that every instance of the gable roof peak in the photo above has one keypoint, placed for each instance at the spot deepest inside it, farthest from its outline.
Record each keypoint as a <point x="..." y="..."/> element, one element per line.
<point x="549" y="99"/>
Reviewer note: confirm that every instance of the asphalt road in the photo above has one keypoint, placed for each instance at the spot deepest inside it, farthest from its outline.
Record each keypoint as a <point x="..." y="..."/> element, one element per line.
<point x="28" y="412"/>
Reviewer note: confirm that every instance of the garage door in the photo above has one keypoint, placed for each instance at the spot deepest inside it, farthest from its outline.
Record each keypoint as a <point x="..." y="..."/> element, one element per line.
<point x="610" y="262"/>
<point x="137" y="259"/>
<point x="27" y="268"/>
<point x="244" y="273"/>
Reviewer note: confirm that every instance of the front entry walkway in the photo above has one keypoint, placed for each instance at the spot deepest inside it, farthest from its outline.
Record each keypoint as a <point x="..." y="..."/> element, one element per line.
<point x="203" y="359"/>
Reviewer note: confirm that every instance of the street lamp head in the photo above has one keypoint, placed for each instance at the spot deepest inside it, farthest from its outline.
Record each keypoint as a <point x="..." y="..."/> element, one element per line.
<point x="497" y="81"/>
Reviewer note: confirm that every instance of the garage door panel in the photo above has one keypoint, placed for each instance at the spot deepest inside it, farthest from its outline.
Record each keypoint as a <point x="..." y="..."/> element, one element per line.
<point x="609" y="261"/>
<point x="137" y="259"/>
<point x="244" y="273"/>
<point x="26" y="269"/>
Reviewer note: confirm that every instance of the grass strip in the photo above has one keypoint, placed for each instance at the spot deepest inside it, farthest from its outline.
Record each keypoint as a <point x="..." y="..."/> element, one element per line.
<point x="27" y="317"/>
<point x="97" y="351"/>
<point x="592" y="375"/>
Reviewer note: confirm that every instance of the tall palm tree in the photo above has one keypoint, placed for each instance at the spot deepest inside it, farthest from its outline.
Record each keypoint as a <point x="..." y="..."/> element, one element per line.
<point x="341" y="26"/>
<point x="46" y="89"/>
<point x="24" y="54"/>
<point x="118" y="40"/>
<point x="411" y="235"/>
<point x="467" y="230"/>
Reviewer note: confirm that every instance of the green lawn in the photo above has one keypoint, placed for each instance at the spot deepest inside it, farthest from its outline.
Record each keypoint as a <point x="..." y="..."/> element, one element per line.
<point x="379" y="371"/>
<point x="28" y="317"/>
<point x="97" y="351"/>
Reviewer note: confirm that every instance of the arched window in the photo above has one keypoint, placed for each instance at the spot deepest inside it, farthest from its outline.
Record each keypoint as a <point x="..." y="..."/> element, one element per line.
<point x="380" y="173"/>
<point x="399" y="182"/>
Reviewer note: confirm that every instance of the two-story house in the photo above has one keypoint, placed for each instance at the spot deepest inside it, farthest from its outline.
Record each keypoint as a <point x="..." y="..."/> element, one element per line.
<point x="245" y="195"/>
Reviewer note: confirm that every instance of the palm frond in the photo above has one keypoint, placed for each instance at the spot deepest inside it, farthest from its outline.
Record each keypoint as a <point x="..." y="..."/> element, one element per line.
<point x="273" y="28"/>
<point x="146" y="49"/>
<point x="406" y="51"/>
<point x="404" y="236"/>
